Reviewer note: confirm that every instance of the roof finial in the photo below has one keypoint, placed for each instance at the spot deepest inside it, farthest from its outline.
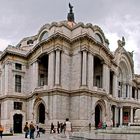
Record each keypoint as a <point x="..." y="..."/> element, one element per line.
<point x="70" y="16"/>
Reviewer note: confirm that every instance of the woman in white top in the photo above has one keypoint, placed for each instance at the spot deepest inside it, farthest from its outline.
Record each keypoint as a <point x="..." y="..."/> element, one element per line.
<point x="68" y="128"/>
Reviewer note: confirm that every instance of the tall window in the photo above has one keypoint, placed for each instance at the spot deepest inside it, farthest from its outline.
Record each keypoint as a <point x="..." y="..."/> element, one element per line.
<point x="98" y="80"/>
<point x="17" y="83"/>
<point x="133" y="92"/>
<point x="18" y="66"/>
<point x="119" y="89"/>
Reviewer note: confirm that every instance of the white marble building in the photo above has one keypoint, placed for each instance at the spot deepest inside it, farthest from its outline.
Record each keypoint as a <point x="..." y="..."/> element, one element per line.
<point x="65" y="71"/>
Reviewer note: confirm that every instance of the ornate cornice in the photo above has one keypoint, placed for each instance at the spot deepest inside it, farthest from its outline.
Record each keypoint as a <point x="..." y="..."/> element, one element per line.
<point x="71" y="93"/>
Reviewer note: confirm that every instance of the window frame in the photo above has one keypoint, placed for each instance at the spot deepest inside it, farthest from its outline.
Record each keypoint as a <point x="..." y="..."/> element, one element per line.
<point x="18" y="66"/>
<point x="18" y="84"/>
<point x="18" y="105"/>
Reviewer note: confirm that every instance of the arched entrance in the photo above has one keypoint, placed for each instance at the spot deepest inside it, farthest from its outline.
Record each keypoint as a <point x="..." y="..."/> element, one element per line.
<point x="17" y="125"/>
<point x="41" y="113"/>
<point x="98" y="112"/>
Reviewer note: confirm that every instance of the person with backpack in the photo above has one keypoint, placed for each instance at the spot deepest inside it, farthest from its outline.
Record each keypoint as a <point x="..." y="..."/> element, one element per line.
<point x="32" y="130"/>
<point x="26" y="130"/>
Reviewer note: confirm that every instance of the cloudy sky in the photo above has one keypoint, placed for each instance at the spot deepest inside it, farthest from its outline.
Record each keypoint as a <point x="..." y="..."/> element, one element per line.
<point x="117" y="18"/>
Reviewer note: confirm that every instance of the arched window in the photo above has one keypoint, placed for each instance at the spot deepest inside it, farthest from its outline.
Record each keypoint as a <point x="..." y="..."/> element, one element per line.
<point x="98" y="38"/>
<point x="44" y="36"/>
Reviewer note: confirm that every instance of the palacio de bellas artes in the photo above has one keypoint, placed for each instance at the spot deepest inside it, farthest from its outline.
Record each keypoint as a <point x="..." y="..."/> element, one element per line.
<point x="66" y="70"/>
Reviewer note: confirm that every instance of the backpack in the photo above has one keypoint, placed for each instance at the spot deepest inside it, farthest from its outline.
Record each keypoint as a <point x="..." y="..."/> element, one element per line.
<point x="25" y="129"/>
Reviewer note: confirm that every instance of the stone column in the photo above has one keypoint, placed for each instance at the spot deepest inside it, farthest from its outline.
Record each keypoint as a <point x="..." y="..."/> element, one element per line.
<point x="121" y="116"/>
<point x="124" y="90"/>
<point x="106" y="78"/>
<point x="51" y="69"/>
<point x="84" y="68"/>
<point x="139" y="94"/>
<point x="90" y="70"/>
<point x="130" y="91"/>
<point x="116" y="116"/>
<point x="57" y="68"/>
<point x="115" y="85"/>
<point x="131" y="115"/>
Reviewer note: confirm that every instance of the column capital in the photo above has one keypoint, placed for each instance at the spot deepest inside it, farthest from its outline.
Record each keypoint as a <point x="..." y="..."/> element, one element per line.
<point x="84" y="48"/>
<point x="8" y="63"/>
<point x="58" y="48"/>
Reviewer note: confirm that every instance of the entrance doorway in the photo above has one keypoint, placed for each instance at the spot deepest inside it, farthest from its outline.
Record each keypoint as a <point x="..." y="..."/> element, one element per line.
<point x="41" y="113"/>
<point x="97" y="115"/>
<point x="17" y="126"/>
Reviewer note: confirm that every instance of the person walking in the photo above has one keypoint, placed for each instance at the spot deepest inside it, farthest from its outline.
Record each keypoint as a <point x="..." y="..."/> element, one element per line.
<point x="32" y="130"/>
<point x="68" y="128"/>
<point x="1" y="130"/>
<point x="26" y="130"/>
<point x="37" y="132"/>
<point x="58" y="127"/>
<point x="52" y="129"/>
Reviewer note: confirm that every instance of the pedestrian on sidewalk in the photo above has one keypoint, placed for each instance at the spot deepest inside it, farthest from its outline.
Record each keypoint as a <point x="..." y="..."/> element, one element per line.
<point x="1" y="130"/>
<point x="37" y="131"/>
<point x="32" y="130"/>
<point x="58" y="127"/>
<point x="26" y="130"/>
<point x="68" y="129"/>
<point x="52" y="128"/>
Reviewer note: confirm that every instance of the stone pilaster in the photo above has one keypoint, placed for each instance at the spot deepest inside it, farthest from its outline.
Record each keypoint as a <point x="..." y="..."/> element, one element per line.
<point x="83" y="114"/>
<point x="115" y="85"/>
<point x="106" y="78"/>
<point x="35" y="74"/>
<point x="51" y="69"/>
<point x="57" y="68"/>
<point x="7" y="72"/>
<point x="90" y="70"/>
<point x="84" y="68"/>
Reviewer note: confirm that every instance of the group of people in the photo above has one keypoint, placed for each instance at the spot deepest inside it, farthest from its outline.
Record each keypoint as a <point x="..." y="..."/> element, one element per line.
<point x="65" y="128"/>
<point x="29" y="129"/>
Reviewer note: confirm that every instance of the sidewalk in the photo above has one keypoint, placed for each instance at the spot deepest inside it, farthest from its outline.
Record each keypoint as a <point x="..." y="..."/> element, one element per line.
<point x="42" y="137"/>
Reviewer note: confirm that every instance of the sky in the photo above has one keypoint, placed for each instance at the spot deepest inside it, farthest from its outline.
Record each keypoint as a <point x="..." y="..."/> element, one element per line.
<point x="117" y="18"/>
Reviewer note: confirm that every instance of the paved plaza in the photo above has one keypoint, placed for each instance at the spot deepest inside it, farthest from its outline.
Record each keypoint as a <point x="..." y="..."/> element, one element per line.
<point x="42" y="137"/>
